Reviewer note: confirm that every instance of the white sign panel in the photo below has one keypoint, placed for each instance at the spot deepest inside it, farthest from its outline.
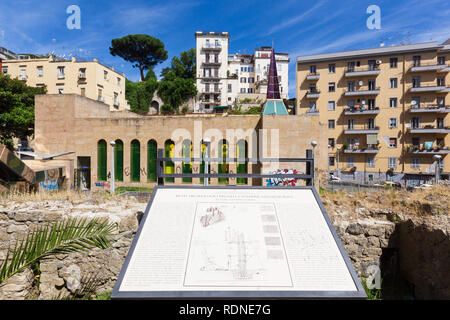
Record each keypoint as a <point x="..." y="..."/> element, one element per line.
<point x="236" y="242"/>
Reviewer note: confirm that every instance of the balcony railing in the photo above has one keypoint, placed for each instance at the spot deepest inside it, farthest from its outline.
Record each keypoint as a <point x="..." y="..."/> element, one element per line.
<point x="212" y="62"/>
<point x="209" y="46"/>
<point x="213" y="90"/>
<point x="429" y="66"/>
<point x="439" y="149"/>
<point x="358" y="149"/>
<point x="360" y="92"/>
<point x="427" y="88"/>
<point x="361" y="110"/>
<point x="362" y="129"/>
<point x="429" y="129"/>
<point x="362" y="71"/>
<point x="313" y="93"/>
<point x="436" y="108"/>
<point x="313" y="76"/>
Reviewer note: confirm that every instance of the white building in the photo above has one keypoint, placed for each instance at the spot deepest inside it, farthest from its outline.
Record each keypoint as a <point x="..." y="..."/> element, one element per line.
<point x="225" y="79"/>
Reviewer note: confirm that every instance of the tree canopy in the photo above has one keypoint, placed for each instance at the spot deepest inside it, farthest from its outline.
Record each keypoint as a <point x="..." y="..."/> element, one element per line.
<point x="182" y="67"/>
<point x="140" y="94"/>
<point x="16" y="109"/>
<point x="143" y="50"/>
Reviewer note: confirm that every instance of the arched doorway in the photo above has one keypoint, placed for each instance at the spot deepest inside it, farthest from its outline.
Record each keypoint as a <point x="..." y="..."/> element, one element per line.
<point x="154" y="107"/>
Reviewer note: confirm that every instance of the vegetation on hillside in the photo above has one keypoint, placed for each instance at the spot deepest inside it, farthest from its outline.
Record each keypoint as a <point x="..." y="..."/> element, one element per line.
<point x="16" y="109"/>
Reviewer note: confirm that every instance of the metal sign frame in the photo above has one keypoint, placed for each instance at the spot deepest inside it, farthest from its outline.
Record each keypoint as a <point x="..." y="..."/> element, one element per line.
<point x="359" y="294"/>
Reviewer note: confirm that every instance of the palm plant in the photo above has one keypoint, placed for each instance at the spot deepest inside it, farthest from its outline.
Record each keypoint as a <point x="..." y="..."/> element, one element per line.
<point x="65" y="236"/>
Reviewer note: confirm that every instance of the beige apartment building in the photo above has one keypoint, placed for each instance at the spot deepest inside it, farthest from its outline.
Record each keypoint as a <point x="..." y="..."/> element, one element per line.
<point x="86" y="78"/>
<point x="386" y="110"/>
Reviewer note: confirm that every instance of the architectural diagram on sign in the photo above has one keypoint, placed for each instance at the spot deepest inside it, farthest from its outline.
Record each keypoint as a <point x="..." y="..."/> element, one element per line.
<point x="236" y="245"/>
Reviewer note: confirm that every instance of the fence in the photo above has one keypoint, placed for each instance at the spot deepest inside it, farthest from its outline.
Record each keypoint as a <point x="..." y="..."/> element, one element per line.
<point x="308" y="176"/>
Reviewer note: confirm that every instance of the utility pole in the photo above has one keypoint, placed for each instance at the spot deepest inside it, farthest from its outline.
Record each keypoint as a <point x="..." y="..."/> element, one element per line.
<point x="112" y="143"/>
<point x="207" y="143"/>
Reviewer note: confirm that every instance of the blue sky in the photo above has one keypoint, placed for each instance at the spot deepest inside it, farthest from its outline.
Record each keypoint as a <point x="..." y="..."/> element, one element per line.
<point x="296" y="27"/>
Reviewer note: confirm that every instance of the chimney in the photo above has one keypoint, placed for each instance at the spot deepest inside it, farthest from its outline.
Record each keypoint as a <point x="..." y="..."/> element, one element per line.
<point x="74" y="59"/>
<point x="95" y="60"/>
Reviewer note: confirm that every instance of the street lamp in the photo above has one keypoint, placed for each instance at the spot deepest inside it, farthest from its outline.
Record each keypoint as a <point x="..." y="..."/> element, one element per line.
<point x="338" y="148"/>
<point x="437" y="169"/>
<point x="314" y="144"/>
<point x="112" y="143"/>
<point x="207" y="143"/>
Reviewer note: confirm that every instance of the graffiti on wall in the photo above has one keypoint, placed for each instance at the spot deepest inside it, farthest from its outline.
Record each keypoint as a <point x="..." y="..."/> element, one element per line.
<point x="282" y="181"/>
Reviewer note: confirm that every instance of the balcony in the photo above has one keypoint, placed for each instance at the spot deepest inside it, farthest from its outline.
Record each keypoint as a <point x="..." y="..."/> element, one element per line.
<point x="211" y="47"/>
<point x="212" y="63"/>
<point x="312" y="94"/>
<point x="23" y="77"/>
<point x="361" y="110"/>
<point x="313" y="76"/>
<point x="362" y="71"/>
<point x="212" y="90"/>
<point x="431" y="108"/>
<point x="369" y="91"/>
<point x="210" y="77"/>
<point x="359" y="150"/>
<point x="430" y="88"/>
<point x="416" y="149"/>
<point x="365" y="130"/>
<point x="429" y="129"/>
<point x="432" y="66"/>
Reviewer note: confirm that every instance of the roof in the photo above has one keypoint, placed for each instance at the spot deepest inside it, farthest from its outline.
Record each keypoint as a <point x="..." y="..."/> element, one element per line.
<point x="369" y="52"/>
<point x="446" y="41"/>
<point x="275" y="107"/>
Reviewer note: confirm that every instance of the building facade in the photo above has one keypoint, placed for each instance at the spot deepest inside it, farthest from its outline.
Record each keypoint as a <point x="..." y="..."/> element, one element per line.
<point x="224" y="79"/>
<point x="86" y="78"/>
<point x="386" y="109"/>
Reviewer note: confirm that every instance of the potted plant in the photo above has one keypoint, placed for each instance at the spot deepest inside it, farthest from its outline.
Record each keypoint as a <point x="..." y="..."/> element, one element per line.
<point x="345" y="145"/>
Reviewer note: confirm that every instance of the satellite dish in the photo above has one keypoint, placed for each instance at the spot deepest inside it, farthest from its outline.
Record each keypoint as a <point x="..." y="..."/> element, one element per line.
<point x="360" y="82"/>
<point x="413" y="102"/>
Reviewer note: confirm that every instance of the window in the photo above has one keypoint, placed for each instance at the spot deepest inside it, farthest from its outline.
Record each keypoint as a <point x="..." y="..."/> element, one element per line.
<point x="350" y="161"/>
<point x="229" y="87"/>
<point x="393" y="83"/>
<point x="416" y="61"/>
<point x="350" y="124"/>
<point x="116" y="100"/>
<point x="251" y="80"/>
<point x="415" y="122"/>
<point x="135" y="161"/>
<point x="440" y="123"/>
<point x="331" y="124"/>
<point x="61" y="91"/>
<point x="118" y="81"/>
<point x="415" y="102"/>
<point x="415" y="141"/>
<point x="61" y="73"/>
<point x="393" y="103"/>
<point x="40" y="71"/>
<point x="371" y="123"/>
<point x="393" y="142"/>
<point x="5" y="70"/>
<point x="243" y="80"/>
<point x="440" y="101"/>
<point x="392" y="122"/>
<point x="23" y="74"/>
<point x="440" y="82"/>
<point x="371" y="104"/>
<point x="118" y="160"/>
<point x="312" y="69"/>
<point x="331" y="86"/>
<point x="83" y="92"/>
<point x="250" y="90"/>
<point x="331" y="161"/>
<point x="100" y="94"/>
<point x="415" y="163"/>
<point x="331" y="142"/>
<point x="416" y="82"/>
<point x="441" y="60"/>
<point x="351" y="66"/>
<point x="331" y="105"/>
<point x="392" y="163"/>
<point x="242" y="90"/>
<point x="331" y="68"/>
<point x="351" y="86"/>
<point x="393" y="62"/>
<point x="371" y="161"/>
<point x="372" y="64"/>
<point x="371" y="84"/>
<point x="350" y="103"/>
<point x="312" y="106"/>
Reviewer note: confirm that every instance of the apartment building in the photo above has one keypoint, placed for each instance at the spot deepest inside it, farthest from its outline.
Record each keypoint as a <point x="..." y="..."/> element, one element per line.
<point x="386" y="109"/>
<point x="224" y="79"/>
<point x="86" y="78"/>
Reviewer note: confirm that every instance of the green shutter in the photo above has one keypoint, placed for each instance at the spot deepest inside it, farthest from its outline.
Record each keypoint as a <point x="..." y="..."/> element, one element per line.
<point x="152" y="151"/>
<point x="135" y="161"/>
<point x="186" y="152"/>
<point x="241" y="167"/>
<point x="169" y="166"/>
<point x="223" y="167"/>
<point x="101" y="160"/>
<point x="118" y="161"/>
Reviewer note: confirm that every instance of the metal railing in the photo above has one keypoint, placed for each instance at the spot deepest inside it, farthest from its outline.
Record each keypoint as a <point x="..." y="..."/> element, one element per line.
<point x="308" y="176"/>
